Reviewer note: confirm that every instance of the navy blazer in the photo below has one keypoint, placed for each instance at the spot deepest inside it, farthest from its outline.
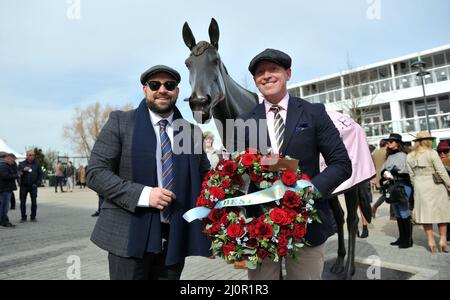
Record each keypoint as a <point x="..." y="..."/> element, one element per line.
<point x="310" y="132"/>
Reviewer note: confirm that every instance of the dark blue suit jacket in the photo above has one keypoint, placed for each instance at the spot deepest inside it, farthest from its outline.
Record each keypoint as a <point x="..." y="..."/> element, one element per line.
<point x="310" y="132"/>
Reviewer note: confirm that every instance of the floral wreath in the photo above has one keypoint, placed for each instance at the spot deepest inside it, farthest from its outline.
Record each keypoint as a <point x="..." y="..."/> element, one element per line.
<point x="281" y="227"/>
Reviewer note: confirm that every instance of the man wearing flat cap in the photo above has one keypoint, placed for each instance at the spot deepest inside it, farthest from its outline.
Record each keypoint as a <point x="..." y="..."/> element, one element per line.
<point x="303" y="131"/>
<point x="148" y="185"/>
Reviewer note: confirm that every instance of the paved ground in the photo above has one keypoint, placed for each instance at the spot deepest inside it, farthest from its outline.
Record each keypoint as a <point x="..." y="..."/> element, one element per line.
<point x="53" y="247"/>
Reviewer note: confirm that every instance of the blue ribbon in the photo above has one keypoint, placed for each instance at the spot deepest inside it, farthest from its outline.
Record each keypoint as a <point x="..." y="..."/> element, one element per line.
<point x="275" y="193"/>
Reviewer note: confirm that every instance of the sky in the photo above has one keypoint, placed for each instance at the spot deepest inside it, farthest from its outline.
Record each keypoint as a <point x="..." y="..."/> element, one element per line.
<point x="57" y="55"/>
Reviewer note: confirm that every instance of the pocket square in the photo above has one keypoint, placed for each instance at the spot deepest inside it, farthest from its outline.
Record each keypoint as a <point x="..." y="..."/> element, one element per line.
<point x="301" y="127"/>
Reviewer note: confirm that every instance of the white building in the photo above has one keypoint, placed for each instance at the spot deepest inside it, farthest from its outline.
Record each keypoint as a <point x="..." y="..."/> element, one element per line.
<point x="390" y="94"/>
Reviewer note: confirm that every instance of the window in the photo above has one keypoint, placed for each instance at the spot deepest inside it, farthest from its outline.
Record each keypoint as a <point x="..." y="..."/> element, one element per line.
<point x="439" y="60"/>
<point x="402" y="68"/>
<point x="409" y="109"/>
<point x="373" y="75"/>
<point x="321" y="87"/>
<point x="333" y="84"/>
<point x="428" y="61"/>
<point x="383" y="72"/>
<point x="364" y="77"/>
<point x="448" y="56"/>
<point x="444" y="104"/>
<point x="386" y="112"/>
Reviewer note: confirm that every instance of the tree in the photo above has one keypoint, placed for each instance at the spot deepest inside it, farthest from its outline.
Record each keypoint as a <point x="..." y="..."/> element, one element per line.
<point x="358" y="96"/>
<point x="83" y="130"/>
<point x="51" y="157"/>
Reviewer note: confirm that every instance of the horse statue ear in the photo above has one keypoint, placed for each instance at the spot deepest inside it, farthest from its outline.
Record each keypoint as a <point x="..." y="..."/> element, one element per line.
<point x="188" y="36"/>
<point x="214" y="33"/>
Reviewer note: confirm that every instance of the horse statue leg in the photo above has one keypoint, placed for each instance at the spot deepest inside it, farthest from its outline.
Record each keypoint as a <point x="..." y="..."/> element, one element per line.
<point x="338" y="214"/>
<point x="351" y="202"/>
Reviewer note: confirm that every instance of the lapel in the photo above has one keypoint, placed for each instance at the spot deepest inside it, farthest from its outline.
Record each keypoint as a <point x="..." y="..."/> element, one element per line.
<point x="260" y="114"/>
<point x="294" y="114"/>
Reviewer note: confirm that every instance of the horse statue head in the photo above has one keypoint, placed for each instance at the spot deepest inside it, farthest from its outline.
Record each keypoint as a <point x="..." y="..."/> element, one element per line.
<point x="214" y="92"/>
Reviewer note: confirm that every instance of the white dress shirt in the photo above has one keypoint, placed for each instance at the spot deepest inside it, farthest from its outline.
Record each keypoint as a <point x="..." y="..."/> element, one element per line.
<point x="144" y="199"/>
<point x="283" y="105"/>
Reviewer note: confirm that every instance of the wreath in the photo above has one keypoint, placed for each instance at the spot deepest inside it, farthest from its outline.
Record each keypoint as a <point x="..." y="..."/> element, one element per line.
<point x="280" y="228"/>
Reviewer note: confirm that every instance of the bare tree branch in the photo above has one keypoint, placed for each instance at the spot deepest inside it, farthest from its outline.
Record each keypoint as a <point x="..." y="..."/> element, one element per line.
<point x="84" y="128"/>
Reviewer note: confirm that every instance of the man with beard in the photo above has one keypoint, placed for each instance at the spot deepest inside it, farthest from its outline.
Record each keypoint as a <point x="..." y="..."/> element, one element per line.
<point x="147" y="186"/>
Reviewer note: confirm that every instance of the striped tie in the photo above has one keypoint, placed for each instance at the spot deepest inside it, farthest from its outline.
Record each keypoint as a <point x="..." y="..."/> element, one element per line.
<point x="279" y="126"/>
<point x="167" y="163"/>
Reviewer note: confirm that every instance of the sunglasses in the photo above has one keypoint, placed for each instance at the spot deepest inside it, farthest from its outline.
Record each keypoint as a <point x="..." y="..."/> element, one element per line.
<point x="444" y="151"/>
<point x="155" y="85"/>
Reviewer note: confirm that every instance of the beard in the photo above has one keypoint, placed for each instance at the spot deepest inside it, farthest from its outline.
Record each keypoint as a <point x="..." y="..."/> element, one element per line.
<point x="151" y="104"/>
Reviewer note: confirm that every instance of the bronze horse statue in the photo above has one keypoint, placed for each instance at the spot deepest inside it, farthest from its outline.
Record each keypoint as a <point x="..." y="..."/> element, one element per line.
<point x="216" y="94"/>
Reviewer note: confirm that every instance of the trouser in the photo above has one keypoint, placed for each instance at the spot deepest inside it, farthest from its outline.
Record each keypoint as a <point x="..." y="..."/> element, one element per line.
<point x="101" y="199"/>
<point x="59" y="181"/>
<point x="13" y="201"/>
<point x="149" y="267"/>
<point x="69" y="183"/>
<point x="24" y="191"/>
<point x="5" y="198"/>
<point x="308" y="265"/>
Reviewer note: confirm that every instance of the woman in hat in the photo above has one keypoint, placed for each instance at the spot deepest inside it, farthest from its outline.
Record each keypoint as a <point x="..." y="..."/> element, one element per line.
<point x="394" y="168"/>
<point x="431" y="200"/>
<point x="443" y="150"/>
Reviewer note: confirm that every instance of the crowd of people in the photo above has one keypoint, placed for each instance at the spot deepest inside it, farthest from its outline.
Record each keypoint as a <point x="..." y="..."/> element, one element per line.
<point x="415" y="181"/>
<point x="28" y="175"/>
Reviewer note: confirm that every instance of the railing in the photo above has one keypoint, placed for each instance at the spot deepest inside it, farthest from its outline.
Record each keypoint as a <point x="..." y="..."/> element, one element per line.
<point x="381" y="86"/>
<point x="411" y="80"/>
<point x="438" y="121"/>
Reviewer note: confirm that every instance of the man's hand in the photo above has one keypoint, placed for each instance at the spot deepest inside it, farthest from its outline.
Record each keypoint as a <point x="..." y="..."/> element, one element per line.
<point x="161" y="198"/>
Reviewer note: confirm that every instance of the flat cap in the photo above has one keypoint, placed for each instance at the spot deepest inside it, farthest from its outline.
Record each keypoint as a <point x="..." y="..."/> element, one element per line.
<point x="276" y="56"/>
<point x="160" y="69"/>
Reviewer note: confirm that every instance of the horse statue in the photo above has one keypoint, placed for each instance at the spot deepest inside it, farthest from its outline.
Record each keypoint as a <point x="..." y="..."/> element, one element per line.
<point x="216" y="94"/>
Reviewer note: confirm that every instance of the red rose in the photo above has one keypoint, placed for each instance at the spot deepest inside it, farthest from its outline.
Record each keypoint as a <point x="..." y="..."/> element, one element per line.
<point x="214" y="229"/>
<point x="286" y="232"/>
<point x="217" y="193"/>
<point x="228" y="248"/>
<point x="292" y="214"/>
<point x="263" y="231"/>
<point x="247" y="159"/>
<point x="235" y="231"/>
<point x="282" y="241"/>
<point x="229" y="167"/>
<point x="262" y="253"/>
<point x="216" y="214"/>
<point x="254" y="177"/>
<point x="226" y="184"/>
<point x="238" y="180"/>
<point x="289" y="178"/>
<point x="282" y="251"/>
<point x="201" y="201"/>
<point x="290" y="199"/>
<point x="305" y="176"/>
<point x="224" y="220"/>
<point x="252" y="231"/>
<point x="299" y="231"/>
<point x="279" y="216"/>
